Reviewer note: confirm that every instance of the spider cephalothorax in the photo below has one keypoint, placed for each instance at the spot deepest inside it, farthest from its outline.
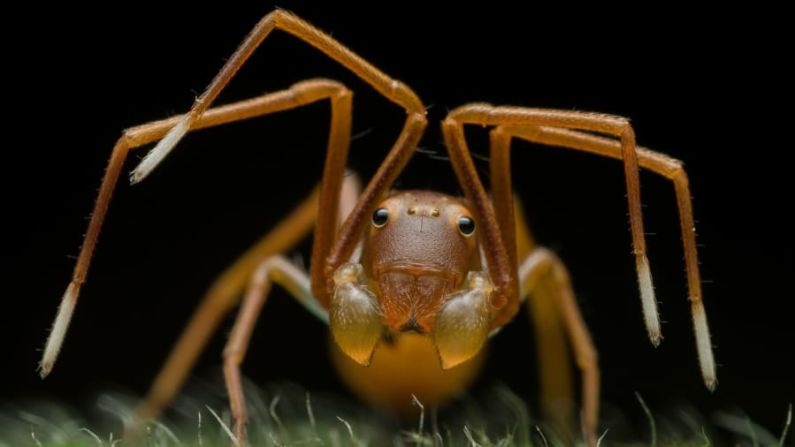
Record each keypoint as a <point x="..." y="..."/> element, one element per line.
<point x="418" y="256"/>
<point x="420" y="271"/>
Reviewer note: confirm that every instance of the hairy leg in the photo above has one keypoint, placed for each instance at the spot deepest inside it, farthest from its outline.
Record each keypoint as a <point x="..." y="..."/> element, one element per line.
<point x="674" y="171"/>
<point x="330" y="250"/>
<point x="298" y="95"/>
<point x="544" y="272"/>
<point x="275" y="269"/>
<point x="497" y="248"/>
<point x="225" y="292"/>
<point x="554" y="364"/>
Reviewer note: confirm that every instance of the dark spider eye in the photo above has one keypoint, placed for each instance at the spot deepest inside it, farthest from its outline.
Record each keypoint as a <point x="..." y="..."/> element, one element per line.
<point x="466" y="225"/>
<point x="380" y="216"/>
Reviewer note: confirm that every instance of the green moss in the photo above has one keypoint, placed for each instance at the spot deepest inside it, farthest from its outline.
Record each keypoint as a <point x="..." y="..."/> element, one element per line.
<point x="286" y="415"/>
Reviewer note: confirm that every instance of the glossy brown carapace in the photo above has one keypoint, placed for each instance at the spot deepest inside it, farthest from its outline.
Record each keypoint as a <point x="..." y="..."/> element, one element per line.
<point x="418" y="257"/>
<point x="419" y="270"/>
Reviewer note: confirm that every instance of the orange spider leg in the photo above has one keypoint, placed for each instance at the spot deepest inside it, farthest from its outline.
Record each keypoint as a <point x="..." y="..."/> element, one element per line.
<point x="326" y="258"/>
<point x="268" y="270"/>
<point x="555" y="375"/>
<point x="500" y="247"/>
<point x="545" y="270"/>
<point x="671" y="169"/>
<point x="656" y="162"/>
<point x="496" y="248"/>
<point x="224" y="294"/>
<point x="274" y="269"/>
<point x="219" y="299"/>
<point x="298" y="95"/>
<point x="330" y="249"/>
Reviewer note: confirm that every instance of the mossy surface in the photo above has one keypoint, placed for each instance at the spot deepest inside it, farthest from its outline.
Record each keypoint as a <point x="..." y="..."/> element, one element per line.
<point x="286" y="415"/>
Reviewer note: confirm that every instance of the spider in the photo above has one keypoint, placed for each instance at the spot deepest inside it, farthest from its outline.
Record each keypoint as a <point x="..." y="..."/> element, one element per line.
<point x="412" y="284"/>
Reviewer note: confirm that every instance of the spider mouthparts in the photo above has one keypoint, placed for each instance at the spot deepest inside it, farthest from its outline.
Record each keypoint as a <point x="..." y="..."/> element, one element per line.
<point x="462" y="325"/>
<point x="354" y="317"/>
<point x="412" y="326"/>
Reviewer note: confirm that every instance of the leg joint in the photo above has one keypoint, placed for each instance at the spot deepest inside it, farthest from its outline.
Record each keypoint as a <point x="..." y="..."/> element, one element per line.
<point x="264" y="269"/>
<point x="587" y="357"/>
<point x="233" y="356"/>
<point x="329" y="87"/>
<point x="627" y="133"/>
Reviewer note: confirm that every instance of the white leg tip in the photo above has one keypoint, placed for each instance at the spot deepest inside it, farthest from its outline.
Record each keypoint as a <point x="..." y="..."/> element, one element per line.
<point x="705" y="356"/>
<point x="160" y="151"/>
<point x="44" y="369"/>
<point x="711" y="383"/>
<point x="648" y="300"/>
<point x="58" y="332"/>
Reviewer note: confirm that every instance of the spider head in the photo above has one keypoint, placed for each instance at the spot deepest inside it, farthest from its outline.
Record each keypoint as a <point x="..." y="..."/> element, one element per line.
<point x="420" y="271"/>
<point x="417" y="251"/>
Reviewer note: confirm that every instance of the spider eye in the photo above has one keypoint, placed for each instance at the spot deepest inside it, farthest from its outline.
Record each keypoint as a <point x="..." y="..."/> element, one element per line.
<point x="380" y="216"/>
<point x="466" y="225"/>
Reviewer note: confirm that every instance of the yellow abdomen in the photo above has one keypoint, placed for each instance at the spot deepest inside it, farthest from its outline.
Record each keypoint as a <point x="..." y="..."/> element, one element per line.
<point x="408" y="365"/>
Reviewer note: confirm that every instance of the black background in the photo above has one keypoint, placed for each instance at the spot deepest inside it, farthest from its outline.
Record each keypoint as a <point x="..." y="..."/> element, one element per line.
<point x="700" y="86"/>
